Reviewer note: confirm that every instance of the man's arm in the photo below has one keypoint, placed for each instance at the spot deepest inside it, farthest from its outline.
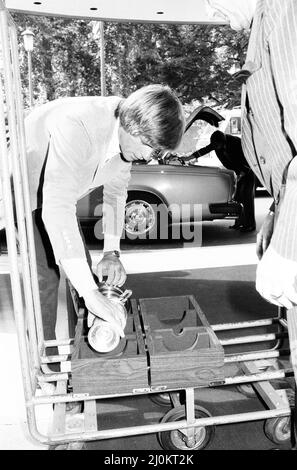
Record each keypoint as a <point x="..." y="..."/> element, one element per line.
<point x="282" y="42"/>
<point x="64" y="174"/>
<point x="199" y="153"/>
<point x="114" y="201"/>
<point x="265" y="233"/>
<point x="277" y="270"/>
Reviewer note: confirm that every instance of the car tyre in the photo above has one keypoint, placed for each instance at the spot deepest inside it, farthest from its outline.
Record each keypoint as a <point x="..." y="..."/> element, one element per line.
<point x="143" y="214"/>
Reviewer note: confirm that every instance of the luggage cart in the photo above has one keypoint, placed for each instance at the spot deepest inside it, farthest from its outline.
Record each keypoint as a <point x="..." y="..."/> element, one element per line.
<point x="210" y="369"/>
<point x="187" y="425"/>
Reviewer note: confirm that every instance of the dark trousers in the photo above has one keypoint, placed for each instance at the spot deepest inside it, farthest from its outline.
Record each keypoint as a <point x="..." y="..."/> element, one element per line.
<point x="245" y="194"/>
<point x="48" y="279"/>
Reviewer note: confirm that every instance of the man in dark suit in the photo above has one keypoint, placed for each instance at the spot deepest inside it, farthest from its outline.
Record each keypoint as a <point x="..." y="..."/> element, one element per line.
<point x="229" y="151"/>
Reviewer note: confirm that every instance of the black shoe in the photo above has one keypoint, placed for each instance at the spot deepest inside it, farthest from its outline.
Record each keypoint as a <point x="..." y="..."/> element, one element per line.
<point x="247" y="228"/>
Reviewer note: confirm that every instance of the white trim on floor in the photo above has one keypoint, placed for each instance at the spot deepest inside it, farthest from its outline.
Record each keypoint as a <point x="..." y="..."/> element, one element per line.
<point x="145" y="261"/>
<point x="185" y="258"/>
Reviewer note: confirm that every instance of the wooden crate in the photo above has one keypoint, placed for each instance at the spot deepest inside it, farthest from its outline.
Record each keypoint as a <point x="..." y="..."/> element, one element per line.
<point x="183" y="350"/>
<point x="117" y="372"/>
<point x="169" y="343"/>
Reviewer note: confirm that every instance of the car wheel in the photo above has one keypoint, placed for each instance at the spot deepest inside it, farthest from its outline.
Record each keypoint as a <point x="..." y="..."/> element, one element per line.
<point x="143" y="216"/>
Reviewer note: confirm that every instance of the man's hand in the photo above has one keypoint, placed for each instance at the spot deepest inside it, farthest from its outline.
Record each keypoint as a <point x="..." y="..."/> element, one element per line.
<point x="276" y="279"/>
<point x="111" y="266"/>
<point x="103" y="308"/>
<point x="265" y="234"/>
<point x="188" y="158"/>
<point x="172" y="157"/>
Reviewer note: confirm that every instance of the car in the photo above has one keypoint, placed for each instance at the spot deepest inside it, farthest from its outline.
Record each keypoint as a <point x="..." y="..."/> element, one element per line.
<point x="169" y="195"/>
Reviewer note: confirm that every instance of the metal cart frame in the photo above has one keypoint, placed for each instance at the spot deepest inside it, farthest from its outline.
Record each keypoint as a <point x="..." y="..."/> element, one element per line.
<point x="26" y="303"/>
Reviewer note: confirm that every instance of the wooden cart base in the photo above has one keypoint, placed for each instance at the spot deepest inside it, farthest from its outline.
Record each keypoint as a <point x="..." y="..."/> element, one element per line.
<point x="187" y="425"/>
<point x="168" y="343"/>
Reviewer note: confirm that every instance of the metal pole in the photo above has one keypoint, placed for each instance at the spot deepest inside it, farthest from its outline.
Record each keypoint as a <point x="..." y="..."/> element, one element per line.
<point x="170" y="426"/>
<point x="30" y="87"/>
<point x="252" y="339"/>
<point x="26" y="194"/>
<point x="102" y="59"/>
<point x="253" y="356"/>
<point x="243" y="325"/>
<point x="8" y="206"/>
<point x="13" y="102"/>
<point x="292" y="328"/>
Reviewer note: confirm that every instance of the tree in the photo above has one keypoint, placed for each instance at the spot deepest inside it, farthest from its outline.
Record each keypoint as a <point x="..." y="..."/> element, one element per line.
<point x="233" y="47"/>
<point x="195" y="60"/>
<point x="65" y="57"/>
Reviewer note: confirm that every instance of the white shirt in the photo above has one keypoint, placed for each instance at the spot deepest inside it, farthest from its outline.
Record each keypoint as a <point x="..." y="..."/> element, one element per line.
<point x="81" y="137"/>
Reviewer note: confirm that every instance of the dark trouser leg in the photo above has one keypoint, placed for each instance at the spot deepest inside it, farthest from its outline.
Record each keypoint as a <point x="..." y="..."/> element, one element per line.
<point x="48" y="278"/>
<point x="249" y="199"/>
<point x="246" y="196"/>
<point x="238" y="198"/>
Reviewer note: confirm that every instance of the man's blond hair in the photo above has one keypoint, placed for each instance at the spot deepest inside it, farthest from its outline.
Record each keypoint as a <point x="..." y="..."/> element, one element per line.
<point x="155" y="114"/>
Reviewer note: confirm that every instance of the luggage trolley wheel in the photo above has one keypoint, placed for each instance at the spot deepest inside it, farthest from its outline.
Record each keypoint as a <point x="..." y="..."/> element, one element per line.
<point x="176" y="440"/>
<point x="161" y="399"/>
<point x="247" y="390"/>
<point x="69" y="446"/>
<point x="278" y="430"/>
